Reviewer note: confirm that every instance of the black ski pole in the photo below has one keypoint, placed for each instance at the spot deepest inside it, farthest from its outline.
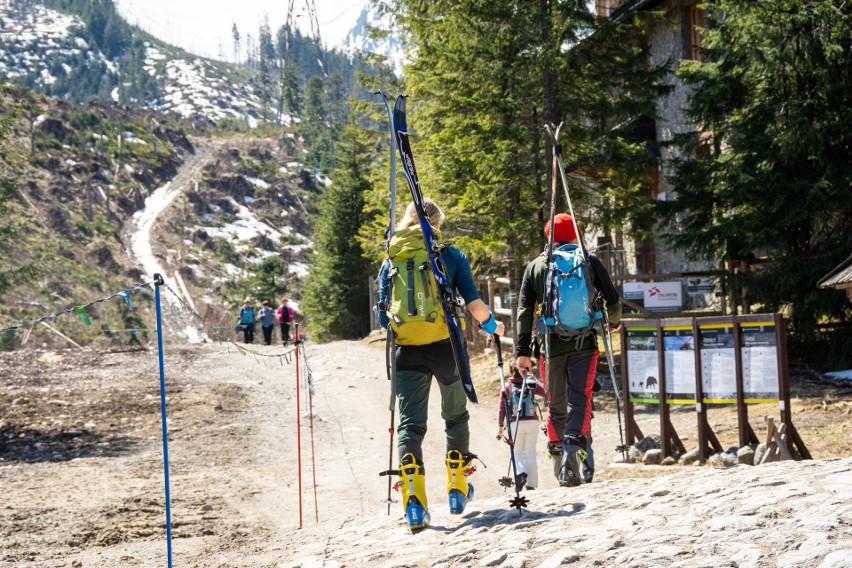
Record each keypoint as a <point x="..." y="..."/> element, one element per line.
<point x="610" y="360"/>
<point x="549" y="284"/>
<point x="518" y="502"/>
<point x="390" y="345"/>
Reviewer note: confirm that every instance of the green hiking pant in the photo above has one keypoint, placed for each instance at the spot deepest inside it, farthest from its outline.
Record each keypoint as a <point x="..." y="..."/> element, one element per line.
<point x="416" y="365"/>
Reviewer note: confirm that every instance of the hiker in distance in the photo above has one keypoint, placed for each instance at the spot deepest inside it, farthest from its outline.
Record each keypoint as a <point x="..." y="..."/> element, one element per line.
<point x="284" y="314"/>
<point x="415" y="316"/>
<point x="267" y="322"/>
<point x="247" y="319"/>
<point x="570" y="374"/>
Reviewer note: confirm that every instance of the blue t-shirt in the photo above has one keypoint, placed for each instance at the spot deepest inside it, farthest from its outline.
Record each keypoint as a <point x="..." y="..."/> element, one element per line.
<point x="267" y="317"/>
<point x="459" y="276"/>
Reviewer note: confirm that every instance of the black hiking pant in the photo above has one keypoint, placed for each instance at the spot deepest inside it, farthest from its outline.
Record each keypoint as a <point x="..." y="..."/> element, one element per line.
<point x="267" y="334"/>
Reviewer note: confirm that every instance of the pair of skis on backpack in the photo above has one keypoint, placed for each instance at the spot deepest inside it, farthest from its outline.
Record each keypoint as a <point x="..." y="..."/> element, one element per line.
<point x="446" y="293"/>
<point x="412" y="485"/>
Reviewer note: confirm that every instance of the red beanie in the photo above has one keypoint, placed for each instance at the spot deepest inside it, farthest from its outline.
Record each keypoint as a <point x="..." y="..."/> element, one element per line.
<point x="564" y="228"/>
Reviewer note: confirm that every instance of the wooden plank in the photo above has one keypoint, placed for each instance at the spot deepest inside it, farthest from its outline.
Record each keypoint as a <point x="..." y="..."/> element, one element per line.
<point x="781" y="442"/>
<point x="770" y="444"/>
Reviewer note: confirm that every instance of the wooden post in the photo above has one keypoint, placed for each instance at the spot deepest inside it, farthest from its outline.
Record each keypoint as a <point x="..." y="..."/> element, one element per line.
<point x="665" y="430"/>
<point x="742" y="409"/>
<point x="784" y="388"/>
<point x="706" y="436"/>
<point x="699" y="395"/>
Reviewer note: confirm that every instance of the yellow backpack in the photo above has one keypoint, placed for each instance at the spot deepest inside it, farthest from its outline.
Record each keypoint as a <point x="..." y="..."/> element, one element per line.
<point x="415" y="312"/>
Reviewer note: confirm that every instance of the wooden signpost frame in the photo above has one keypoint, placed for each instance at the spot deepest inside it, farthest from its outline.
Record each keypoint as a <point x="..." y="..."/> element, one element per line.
<point x="707" y="440"/>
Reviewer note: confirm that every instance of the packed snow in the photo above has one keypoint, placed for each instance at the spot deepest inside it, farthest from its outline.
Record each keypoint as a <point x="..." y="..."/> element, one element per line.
<point x="140" y="245"/>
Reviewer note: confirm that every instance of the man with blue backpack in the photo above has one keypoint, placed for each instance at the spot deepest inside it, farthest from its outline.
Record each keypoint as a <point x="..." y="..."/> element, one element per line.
<point x="569" y="290"/>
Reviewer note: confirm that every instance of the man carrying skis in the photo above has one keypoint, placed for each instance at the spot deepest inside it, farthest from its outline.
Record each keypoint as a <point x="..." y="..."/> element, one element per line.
<point x="413" y="313"/>
<point x="570" y="375"/>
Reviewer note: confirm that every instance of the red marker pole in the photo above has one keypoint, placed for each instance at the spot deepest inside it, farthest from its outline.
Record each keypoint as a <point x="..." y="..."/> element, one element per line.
<point x="298" y="426"/>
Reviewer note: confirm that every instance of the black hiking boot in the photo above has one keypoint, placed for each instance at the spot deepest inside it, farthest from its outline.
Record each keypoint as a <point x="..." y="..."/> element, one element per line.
<point x="571" y="473"/>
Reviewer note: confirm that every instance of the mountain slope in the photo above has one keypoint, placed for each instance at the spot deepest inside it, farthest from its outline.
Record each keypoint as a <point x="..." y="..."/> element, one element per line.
<point x="57" y="54"/>
<point x="373" y="33"/>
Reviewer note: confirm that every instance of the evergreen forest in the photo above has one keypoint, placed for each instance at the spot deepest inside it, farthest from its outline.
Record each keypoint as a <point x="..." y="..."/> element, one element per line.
<point x="763" y="175"/>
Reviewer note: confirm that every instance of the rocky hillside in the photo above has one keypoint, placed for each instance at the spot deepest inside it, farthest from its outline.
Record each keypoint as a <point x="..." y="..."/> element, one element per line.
<point x="81" y="172"/>
<point x="78" y="173"/>
<point x="242" y="227"/>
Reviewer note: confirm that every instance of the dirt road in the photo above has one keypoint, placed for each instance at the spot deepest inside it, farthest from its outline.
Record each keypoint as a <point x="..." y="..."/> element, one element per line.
<point x="82" y="467"/>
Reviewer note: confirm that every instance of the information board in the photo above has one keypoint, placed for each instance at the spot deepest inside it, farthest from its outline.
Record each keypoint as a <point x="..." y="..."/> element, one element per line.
<point x="718" y="363"/>
<point x="760" y="361"/>
<point x="643" y="367"/>
<point x="679" y="346"/>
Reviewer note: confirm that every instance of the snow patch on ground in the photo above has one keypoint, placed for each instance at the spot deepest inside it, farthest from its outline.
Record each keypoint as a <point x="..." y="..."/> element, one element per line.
<point x="246" y="227"/>
<point x="141" y="250"/>
<point x="257" y="182"/>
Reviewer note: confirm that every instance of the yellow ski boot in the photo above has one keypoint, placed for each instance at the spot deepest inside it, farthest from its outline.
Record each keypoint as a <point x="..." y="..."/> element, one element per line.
<point x="459" y="489"/>
<point x="413" y="486"/>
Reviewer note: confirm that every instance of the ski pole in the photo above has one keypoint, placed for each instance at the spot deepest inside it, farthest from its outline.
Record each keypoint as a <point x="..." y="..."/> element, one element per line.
<point x="610" y="360"/>
<point x="158" y="281"/>
<point x="310" y="384"/>
<point x="518" y="501"/>
<point x="298" y="426"/>
<point x="390" y="346"/>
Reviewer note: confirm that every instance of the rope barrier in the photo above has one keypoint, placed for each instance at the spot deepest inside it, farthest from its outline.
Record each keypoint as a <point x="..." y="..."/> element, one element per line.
<point x="79" y="310"/>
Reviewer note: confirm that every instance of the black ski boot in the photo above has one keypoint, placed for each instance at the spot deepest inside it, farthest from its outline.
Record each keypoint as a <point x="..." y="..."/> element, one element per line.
<point x="588" y="467"/>
<point x="521" y="481"/>
<point x="554" y="452"/>
<point x="571" y="474"/>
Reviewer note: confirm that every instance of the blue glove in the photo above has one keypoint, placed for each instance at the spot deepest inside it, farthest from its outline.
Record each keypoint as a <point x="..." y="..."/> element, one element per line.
<point x="384" y="320"/>
<point x="489" y="325"/>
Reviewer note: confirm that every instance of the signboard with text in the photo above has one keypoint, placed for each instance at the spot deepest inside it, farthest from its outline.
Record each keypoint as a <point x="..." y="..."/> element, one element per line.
<point x="679" y="347"/>
<point x="643" y="366"/>
<point x="759" y="346"/>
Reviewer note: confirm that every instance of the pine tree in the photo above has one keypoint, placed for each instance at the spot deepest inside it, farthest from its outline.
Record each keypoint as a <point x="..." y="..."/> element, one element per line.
<point x="336" y="291"/>
<point x="314" y="126"/>
<point x="769" y="172"/>
<point x="485" y="78"/>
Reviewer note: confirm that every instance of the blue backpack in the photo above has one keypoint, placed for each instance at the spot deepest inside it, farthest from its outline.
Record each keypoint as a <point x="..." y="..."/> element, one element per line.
<point x="573" y="293"/>
<point x="524" y="403"/>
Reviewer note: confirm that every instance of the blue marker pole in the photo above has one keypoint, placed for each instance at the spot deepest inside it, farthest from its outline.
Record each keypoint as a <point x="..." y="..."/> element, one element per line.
<point x="158" y="281"/>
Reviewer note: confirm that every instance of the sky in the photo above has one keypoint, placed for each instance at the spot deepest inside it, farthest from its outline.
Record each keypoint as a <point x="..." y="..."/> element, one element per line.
<point x="204" y="26"/>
